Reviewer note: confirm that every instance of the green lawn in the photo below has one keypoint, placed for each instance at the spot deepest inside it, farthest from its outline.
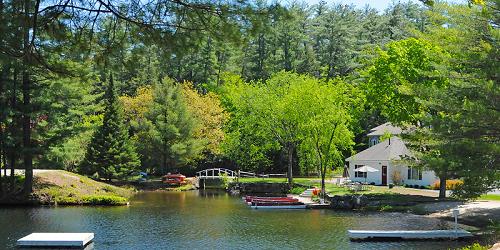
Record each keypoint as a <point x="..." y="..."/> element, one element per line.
<point x="490" y="197"/>
<point x="312" y="181"/>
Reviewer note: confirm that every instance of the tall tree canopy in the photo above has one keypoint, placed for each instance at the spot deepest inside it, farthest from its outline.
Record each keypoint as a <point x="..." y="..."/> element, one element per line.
<point x="110" y="153"/>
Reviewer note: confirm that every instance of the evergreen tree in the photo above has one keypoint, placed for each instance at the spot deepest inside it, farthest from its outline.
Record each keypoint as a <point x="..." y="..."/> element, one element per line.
<point x="110" y="153"/>
<point x="167" y="138"/>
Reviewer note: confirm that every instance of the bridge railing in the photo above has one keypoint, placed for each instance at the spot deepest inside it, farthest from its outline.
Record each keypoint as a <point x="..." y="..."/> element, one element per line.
<point x="215" y="173"/>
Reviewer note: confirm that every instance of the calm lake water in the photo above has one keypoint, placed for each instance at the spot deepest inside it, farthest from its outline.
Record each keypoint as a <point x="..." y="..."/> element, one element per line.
<point x="211" y="220"/>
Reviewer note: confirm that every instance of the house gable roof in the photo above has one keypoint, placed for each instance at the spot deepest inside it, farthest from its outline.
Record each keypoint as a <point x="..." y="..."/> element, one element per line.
<point x="383" y="151"/>
<point x="386" y="127"/>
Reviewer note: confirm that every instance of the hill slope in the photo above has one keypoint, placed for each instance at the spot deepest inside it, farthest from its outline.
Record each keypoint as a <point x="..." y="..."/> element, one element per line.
<point x="64" y="188"/>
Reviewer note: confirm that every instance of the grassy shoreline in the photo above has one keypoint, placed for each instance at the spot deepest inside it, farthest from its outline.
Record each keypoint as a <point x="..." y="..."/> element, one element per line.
<point x="59" y="187"/>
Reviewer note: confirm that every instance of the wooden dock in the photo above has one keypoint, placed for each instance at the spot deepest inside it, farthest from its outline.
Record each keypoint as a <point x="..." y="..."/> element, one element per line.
<point x="79" y="240"/>
<point x="407" y="235"/>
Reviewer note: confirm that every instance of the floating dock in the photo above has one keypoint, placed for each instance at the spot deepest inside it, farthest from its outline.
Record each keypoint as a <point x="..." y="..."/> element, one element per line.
<point x="407" y="235"/>
<point x="79" y="240"/>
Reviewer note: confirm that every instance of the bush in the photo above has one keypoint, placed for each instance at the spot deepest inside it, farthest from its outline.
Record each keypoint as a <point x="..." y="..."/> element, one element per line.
<point x="68" y="200"/>
<point x="386" y="208"/>
<point x="450" y="184"/>
<point x="397" y="178"/>
<point x="391" y="185"/>
<point x="475" y="246"/>
<point x="104" y="200"/>
<point x="372" y="183"/>
<point x="108" y="189"/>
<point x="297" y="190"/>
<point x="407" y="186"/>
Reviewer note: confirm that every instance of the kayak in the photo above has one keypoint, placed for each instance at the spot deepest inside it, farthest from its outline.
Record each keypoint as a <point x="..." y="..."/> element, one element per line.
<point x="280" y="207"/>
<point x="275" y="203"/>
<point x="252" y="198"/>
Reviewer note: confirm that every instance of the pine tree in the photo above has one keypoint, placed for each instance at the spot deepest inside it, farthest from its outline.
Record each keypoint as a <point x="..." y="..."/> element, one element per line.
<point x="110" y="153"/>
<point x="167" y="140"/>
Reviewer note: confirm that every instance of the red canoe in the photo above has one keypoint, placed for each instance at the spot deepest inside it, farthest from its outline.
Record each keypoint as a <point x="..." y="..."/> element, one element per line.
<point x="251" y="198"/>
<point x="280" y="203"/>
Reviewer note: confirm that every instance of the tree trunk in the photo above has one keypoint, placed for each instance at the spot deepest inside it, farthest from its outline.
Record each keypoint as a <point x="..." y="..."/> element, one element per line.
<point x="442" y="186"/>
<point x="290" y="164"/>
<point x="26" y="89"/>
<point x="323" y="175"/>
<point x="164" y="163"/>
<point x="2" y="92"/>
<point x="13" y="130"/>
<point x="2" y="158"/>
<point x="12" y="173"/>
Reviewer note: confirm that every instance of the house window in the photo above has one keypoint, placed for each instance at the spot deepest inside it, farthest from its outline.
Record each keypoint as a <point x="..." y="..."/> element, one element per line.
<point x="414" y="174"/>
<point x="358" y="174"/>
<point x="373" y="141"/>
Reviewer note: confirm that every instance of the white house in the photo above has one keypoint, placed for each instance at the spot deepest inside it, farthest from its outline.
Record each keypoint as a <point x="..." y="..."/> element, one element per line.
<point x="377" y="132"/>
<point x="385" y="157"/>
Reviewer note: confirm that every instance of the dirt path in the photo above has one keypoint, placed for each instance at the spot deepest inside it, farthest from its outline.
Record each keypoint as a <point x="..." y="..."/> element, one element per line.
<point x="476" y="213"/>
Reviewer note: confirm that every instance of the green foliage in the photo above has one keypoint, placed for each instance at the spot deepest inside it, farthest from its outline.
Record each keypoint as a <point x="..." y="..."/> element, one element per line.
<point x="475" y="246"/>
<point x="390" y="79"/>
<point x="225" y="180"/>
<point x="297" y="190"/>
<point x="296" y="113"/>
<point x="165" y="137"/>
<point x="110" y="153"/>
<point x="103" y="200"/>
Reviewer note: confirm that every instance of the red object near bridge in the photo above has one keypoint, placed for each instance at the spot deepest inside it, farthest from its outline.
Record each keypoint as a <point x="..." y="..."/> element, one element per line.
<point x="174" y="179"/>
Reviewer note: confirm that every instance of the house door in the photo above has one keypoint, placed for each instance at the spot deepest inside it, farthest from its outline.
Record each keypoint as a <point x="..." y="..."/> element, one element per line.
<point x="384" y="175"/>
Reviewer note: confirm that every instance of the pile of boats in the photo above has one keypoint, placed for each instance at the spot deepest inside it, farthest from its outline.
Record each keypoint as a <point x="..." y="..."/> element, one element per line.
<point x="260" y="202"/>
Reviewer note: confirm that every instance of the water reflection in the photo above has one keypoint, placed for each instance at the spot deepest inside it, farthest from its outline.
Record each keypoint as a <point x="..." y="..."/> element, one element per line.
<point x="212" y="219"/>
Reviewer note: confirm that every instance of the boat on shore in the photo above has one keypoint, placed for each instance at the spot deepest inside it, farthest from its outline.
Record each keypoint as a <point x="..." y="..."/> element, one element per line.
<point x="251" y="198"/>
<point x="275" y="200"/>
<point x="257" y="202"/>
<point x="282" y="206"/>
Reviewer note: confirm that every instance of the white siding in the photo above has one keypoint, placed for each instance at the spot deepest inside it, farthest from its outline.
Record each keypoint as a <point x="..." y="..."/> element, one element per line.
<point x="428" y="177"/>
<point x="371" y="177"/>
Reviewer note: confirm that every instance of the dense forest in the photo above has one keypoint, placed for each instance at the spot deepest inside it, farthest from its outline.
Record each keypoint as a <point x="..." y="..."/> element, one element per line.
<point x="109" y="89"/>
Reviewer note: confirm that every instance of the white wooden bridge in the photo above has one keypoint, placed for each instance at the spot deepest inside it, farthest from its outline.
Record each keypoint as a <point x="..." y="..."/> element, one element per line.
<point x="219" y="173"/>
<point x="216" y="173"/>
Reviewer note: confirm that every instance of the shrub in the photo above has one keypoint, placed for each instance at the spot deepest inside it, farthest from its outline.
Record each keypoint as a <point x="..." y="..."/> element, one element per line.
<point x="104" y="200"/>
<point x="297" y="190"/>
<point x="108" y="189"/>
<point x="386" y="208"/>
<point x="475" y="246"/>
<point x="397" y="178"/>
<point x="66" y="200"/>
<point x="372" y="183"/>
<point x="407" y="186"/>
<point x="450" y="184"/>
<point x="391" y="185"/>
<point x="225" y="180"/>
